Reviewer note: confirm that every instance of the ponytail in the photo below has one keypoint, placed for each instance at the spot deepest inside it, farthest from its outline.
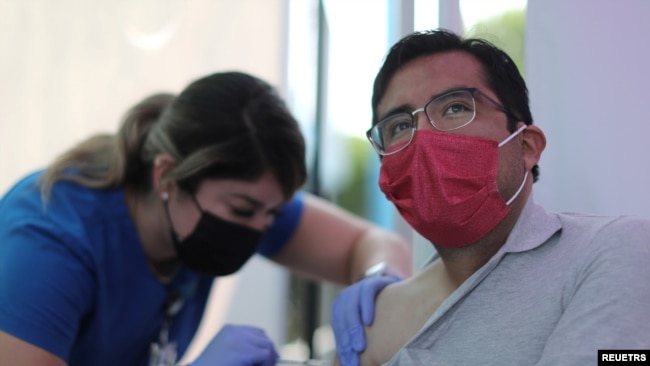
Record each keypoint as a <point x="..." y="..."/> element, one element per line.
<point x="108" y="161"/>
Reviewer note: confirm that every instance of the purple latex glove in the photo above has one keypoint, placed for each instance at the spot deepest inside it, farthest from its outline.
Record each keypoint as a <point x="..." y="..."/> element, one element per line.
<point x="238" y="345"/>
<point x="353" y="309"/>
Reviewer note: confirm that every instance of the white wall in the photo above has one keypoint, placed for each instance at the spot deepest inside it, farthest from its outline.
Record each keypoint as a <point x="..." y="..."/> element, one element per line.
<point x="587" y="64"/>
<point x="72" y="67"/>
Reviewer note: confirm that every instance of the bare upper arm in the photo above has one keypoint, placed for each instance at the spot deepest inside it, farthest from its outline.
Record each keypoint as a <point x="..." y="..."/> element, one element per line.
<point x="392" y="326"/>
<point x="15" y="351"/>
<point x="402" y="309"/>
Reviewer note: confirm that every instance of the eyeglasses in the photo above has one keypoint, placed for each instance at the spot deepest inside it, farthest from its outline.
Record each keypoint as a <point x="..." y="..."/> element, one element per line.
<point x="447" y="112"/>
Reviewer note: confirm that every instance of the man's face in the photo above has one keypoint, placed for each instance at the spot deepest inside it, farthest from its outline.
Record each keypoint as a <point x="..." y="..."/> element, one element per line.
<point x="423" y="78"/>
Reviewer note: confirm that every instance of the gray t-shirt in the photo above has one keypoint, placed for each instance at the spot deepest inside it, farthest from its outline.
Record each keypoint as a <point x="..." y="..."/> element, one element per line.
<point x="562" y="287"/>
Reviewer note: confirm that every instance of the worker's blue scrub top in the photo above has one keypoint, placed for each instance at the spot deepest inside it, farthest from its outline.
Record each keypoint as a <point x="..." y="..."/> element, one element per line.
<point x="75" y="281"/>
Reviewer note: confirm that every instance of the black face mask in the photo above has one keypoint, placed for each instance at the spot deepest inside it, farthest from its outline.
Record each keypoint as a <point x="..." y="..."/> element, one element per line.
<point x="216" y="247"/>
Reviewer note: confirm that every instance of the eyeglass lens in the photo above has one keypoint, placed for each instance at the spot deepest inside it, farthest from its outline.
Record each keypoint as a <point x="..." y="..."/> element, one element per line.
<point x="446" y="112"/>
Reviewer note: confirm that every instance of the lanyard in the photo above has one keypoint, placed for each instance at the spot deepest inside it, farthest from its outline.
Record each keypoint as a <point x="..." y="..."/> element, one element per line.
<point x="164" y="352"/>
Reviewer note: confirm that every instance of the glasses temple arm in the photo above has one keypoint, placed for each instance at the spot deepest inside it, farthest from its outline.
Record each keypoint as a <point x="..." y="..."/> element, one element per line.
<point x="499" y="106"/>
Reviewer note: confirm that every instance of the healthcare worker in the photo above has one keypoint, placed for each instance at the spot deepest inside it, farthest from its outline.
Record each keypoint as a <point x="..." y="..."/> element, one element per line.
<point x="108" y="255"/>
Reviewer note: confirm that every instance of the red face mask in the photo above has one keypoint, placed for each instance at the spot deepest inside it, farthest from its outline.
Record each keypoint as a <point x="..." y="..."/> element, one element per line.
<point x="445" y="186"/>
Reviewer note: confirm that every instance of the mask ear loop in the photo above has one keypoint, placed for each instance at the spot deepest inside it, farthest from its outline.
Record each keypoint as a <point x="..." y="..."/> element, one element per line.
<point x="518" y="190"/>
<point x="513" y="135"/>
<point x="523" y="182"/>
<point x="196" y="202"/>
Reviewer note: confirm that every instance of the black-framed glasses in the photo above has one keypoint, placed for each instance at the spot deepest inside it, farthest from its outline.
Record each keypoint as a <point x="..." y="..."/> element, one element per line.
<point x="446" y="112"/>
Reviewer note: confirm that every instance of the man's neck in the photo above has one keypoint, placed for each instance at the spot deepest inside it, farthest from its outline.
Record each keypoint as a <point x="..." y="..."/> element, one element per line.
<point x="461" y="263"/>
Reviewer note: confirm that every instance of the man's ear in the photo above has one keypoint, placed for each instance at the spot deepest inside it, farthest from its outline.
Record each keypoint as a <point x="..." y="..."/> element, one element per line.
<point x="162" y="165"/>
<point x="534" y="143"/>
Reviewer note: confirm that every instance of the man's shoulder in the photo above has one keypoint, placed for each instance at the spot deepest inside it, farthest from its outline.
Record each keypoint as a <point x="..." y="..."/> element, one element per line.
<point x="601" y="225"/>
<point x="618" y="239"/>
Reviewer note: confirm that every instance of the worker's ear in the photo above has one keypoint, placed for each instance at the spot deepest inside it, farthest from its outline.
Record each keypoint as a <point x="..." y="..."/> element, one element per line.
<point x="534" y="143"/>
<point x="162" y="165"/>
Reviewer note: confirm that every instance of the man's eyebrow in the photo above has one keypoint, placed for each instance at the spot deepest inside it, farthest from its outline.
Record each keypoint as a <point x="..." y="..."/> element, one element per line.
<point x="404" y="108"/>
<point x="408" y="108"/>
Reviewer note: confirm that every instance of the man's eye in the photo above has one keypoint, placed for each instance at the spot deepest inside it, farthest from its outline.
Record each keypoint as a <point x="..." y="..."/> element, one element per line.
<point x="399" y="127"/>
<point x="457" y="108"/>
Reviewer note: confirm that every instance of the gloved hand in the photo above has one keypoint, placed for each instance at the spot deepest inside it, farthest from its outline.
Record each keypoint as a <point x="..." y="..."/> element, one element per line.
<point x="238" y="345"/>
<point x="352" y="309"/>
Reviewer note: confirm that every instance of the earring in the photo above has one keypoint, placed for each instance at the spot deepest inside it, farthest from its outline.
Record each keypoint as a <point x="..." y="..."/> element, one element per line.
<point x="164" y="196"/>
